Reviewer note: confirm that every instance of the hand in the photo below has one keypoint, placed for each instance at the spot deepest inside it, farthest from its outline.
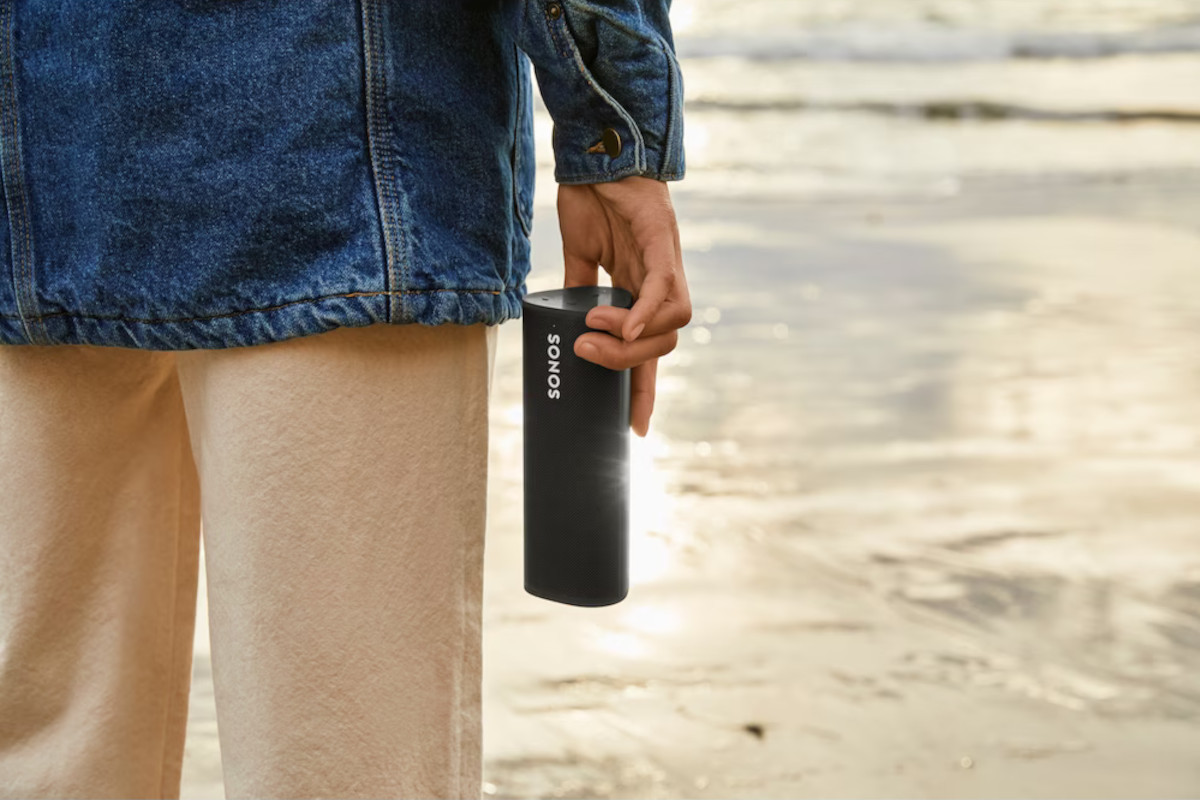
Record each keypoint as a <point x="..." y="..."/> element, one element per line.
<point x="628" y="227"/>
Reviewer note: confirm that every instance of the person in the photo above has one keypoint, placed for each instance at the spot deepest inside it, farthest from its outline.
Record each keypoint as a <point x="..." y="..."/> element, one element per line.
<point x="257" y="256"/>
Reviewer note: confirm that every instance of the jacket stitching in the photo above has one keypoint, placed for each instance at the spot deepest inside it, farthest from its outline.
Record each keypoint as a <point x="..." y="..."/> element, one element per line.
<point x="20" y="235"/>
<point x="639" y="155"/>
<point x="387" y="125"/>
<point x="522" y="104"/>
<point x="317" y="299"/>
<point x="375" y="80"/>
<point x="670" y="156"/>
<point x="632" y="169"/>
<point x="554" y="32"/>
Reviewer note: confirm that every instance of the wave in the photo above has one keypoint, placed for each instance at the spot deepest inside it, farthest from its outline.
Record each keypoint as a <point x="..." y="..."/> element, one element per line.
<point x="862" y="43"/>
<point x="951" y="110"/>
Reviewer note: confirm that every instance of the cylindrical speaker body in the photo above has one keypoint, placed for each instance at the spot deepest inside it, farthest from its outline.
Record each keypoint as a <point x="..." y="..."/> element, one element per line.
<point x="576" y="453"/>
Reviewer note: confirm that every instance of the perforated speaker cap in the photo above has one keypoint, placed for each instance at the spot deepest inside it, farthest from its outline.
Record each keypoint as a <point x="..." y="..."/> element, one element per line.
<point x="580" y="299"/>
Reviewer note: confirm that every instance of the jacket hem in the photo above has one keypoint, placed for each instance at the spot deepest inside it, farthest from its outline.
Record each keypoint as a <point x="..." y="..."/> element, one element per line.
<point x="616" y="175"/>
<point x="271" y="323"/>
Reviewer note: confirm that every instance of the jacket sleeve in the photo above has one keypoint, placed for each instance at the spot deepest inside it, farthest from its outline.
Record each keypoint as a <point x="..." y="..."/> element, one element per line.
<point x="608" y="75"/>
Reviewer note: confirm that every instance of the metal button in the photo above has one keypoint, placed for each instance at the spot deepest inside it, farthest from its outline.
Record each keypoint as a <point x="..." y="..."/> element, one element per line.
<point x="612" y="142"/>
<point x="554" y="10"/>
<point x="609" y="144"/>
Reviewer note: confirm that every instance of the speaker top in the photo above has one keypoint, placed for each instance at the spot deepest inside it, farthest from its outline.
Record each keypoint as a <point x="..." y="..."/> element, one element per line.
<point x="579" y="299"/>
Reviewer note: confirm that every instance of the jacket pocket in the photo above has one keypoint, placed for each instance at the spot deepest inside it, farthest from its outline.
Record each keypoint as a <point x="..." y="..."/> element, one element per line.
<point x="524" y="166"/>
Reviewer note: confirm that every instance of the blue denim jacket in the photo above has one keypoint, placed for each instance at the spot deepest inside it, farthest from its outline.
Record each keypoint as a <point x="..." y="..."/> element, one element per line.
<point x="183" y="174"/>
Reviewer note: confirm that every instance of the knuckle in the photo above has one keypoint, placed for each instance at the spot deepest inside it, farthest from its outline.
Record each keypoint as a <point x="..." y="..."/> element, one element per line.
<point x="632" y="355"/>
<point x="671" y="340"/>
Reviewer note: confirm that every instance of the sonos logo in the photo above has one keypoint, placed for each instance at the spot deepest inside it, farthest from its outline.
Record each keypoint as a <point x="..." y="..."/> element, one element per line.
<point x="553" y="378"/>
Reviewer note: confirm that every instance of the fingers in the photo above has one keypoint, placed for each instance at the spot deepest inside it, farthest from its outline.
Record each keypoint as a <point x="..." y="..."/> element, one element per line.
<point x="585" y="235"/>
<point x="579" y="271"/>
<point x="641" y="405"/>
<point x="671" y="316"/>
<point x="616" y="353"/>
<point x="659" y="258"/>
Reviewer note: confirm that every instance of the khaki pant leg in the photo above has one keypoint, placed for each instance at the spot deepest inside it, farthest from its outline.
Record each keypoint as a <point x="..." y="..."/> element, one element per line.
<point x="345" y="489"/>
<point x="99" y="553"/>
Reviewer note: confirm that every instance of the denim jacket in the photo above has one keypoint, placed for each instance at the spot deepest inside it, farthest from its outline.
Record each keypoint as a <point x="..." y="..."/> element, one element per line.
<point x="182" y="174"/>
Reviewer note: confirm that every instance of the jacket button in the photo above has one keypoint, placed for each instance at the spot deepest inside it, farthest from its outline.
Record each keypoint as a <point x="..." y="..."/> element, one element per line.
<point x="554" y="10"/>
<point x="612" y="142"/>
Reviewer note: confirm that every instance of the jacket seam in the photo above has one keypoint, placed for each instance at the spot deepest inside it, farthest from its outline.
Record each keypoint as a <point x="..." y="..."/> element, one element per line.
<point x="555" y="34"/>
<point x="517" y="164"/>
<point x="670" y="158"/>
<point x="16" y="202"/>
<point x="594" y="177"/>
<point x="319" y="298"/>
<point x="382" y="166"/>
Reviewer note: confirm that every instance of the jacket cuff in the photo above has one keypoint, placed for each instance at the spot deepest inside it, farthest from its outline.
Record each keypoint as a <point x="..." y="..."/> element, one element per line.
<point x="611" y="82"/>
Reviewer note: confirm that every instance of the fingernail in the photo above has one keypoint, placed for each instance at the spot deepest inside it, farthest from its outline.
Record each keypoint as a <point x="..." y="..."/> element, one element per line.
<point x="587" y="349"/>
<point x="637" y="331"/>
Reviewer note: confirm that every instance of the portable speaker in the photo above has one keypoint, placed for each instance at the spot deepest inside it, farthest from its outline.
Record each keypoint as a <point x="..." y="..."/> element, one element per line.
<point x="576" y="453"/>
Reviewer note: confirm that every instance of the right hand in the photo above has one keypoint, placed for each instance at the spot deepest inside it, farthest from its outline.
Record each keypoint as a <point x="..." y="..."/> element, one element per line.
<point x="628" y="227"/>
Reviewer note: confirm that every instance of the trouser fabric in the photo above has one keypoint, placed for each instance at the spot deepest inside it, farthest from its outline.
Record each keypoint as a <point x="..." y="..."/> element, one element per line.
<point x="339" y="481"/>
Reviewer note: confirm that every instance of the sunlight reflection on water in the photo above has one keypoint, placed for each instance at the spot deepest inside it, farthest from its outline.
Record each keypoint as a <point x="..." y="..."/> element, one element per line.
<point x="651" y="509"/>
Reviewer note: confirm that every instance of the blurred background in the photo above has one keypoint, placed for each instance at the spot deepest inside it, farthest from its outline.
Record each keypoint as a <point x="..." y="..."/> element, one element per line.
<point x="918" y="514"/>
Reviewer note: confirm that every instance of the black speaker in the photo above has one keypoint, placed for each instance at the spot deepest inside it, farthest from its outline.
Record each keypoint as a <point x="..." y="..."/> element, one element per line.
<point x="576" y="441"/>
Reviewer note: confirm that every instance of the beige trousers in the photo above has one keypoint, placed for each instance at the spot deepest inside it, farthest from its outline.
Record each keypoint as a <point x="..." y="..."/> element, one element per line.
<point x="342" y="482"/>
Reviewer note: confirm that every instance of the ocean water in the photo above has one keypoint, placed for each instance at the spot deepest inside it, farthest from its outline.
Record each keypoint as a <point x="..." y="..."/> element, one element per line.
<point x="797" y="97"/>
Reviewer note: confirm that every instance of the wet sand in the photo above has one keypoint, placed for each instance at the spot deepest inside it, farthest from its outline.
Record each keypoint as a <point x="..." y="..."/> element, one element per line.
<point x="918" y="515"/>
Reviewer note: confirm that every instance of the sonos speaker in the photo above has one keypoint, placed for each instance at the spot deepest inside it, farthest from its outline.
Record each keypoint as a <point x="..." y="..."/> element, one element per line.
<point x="576" y="442"/>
